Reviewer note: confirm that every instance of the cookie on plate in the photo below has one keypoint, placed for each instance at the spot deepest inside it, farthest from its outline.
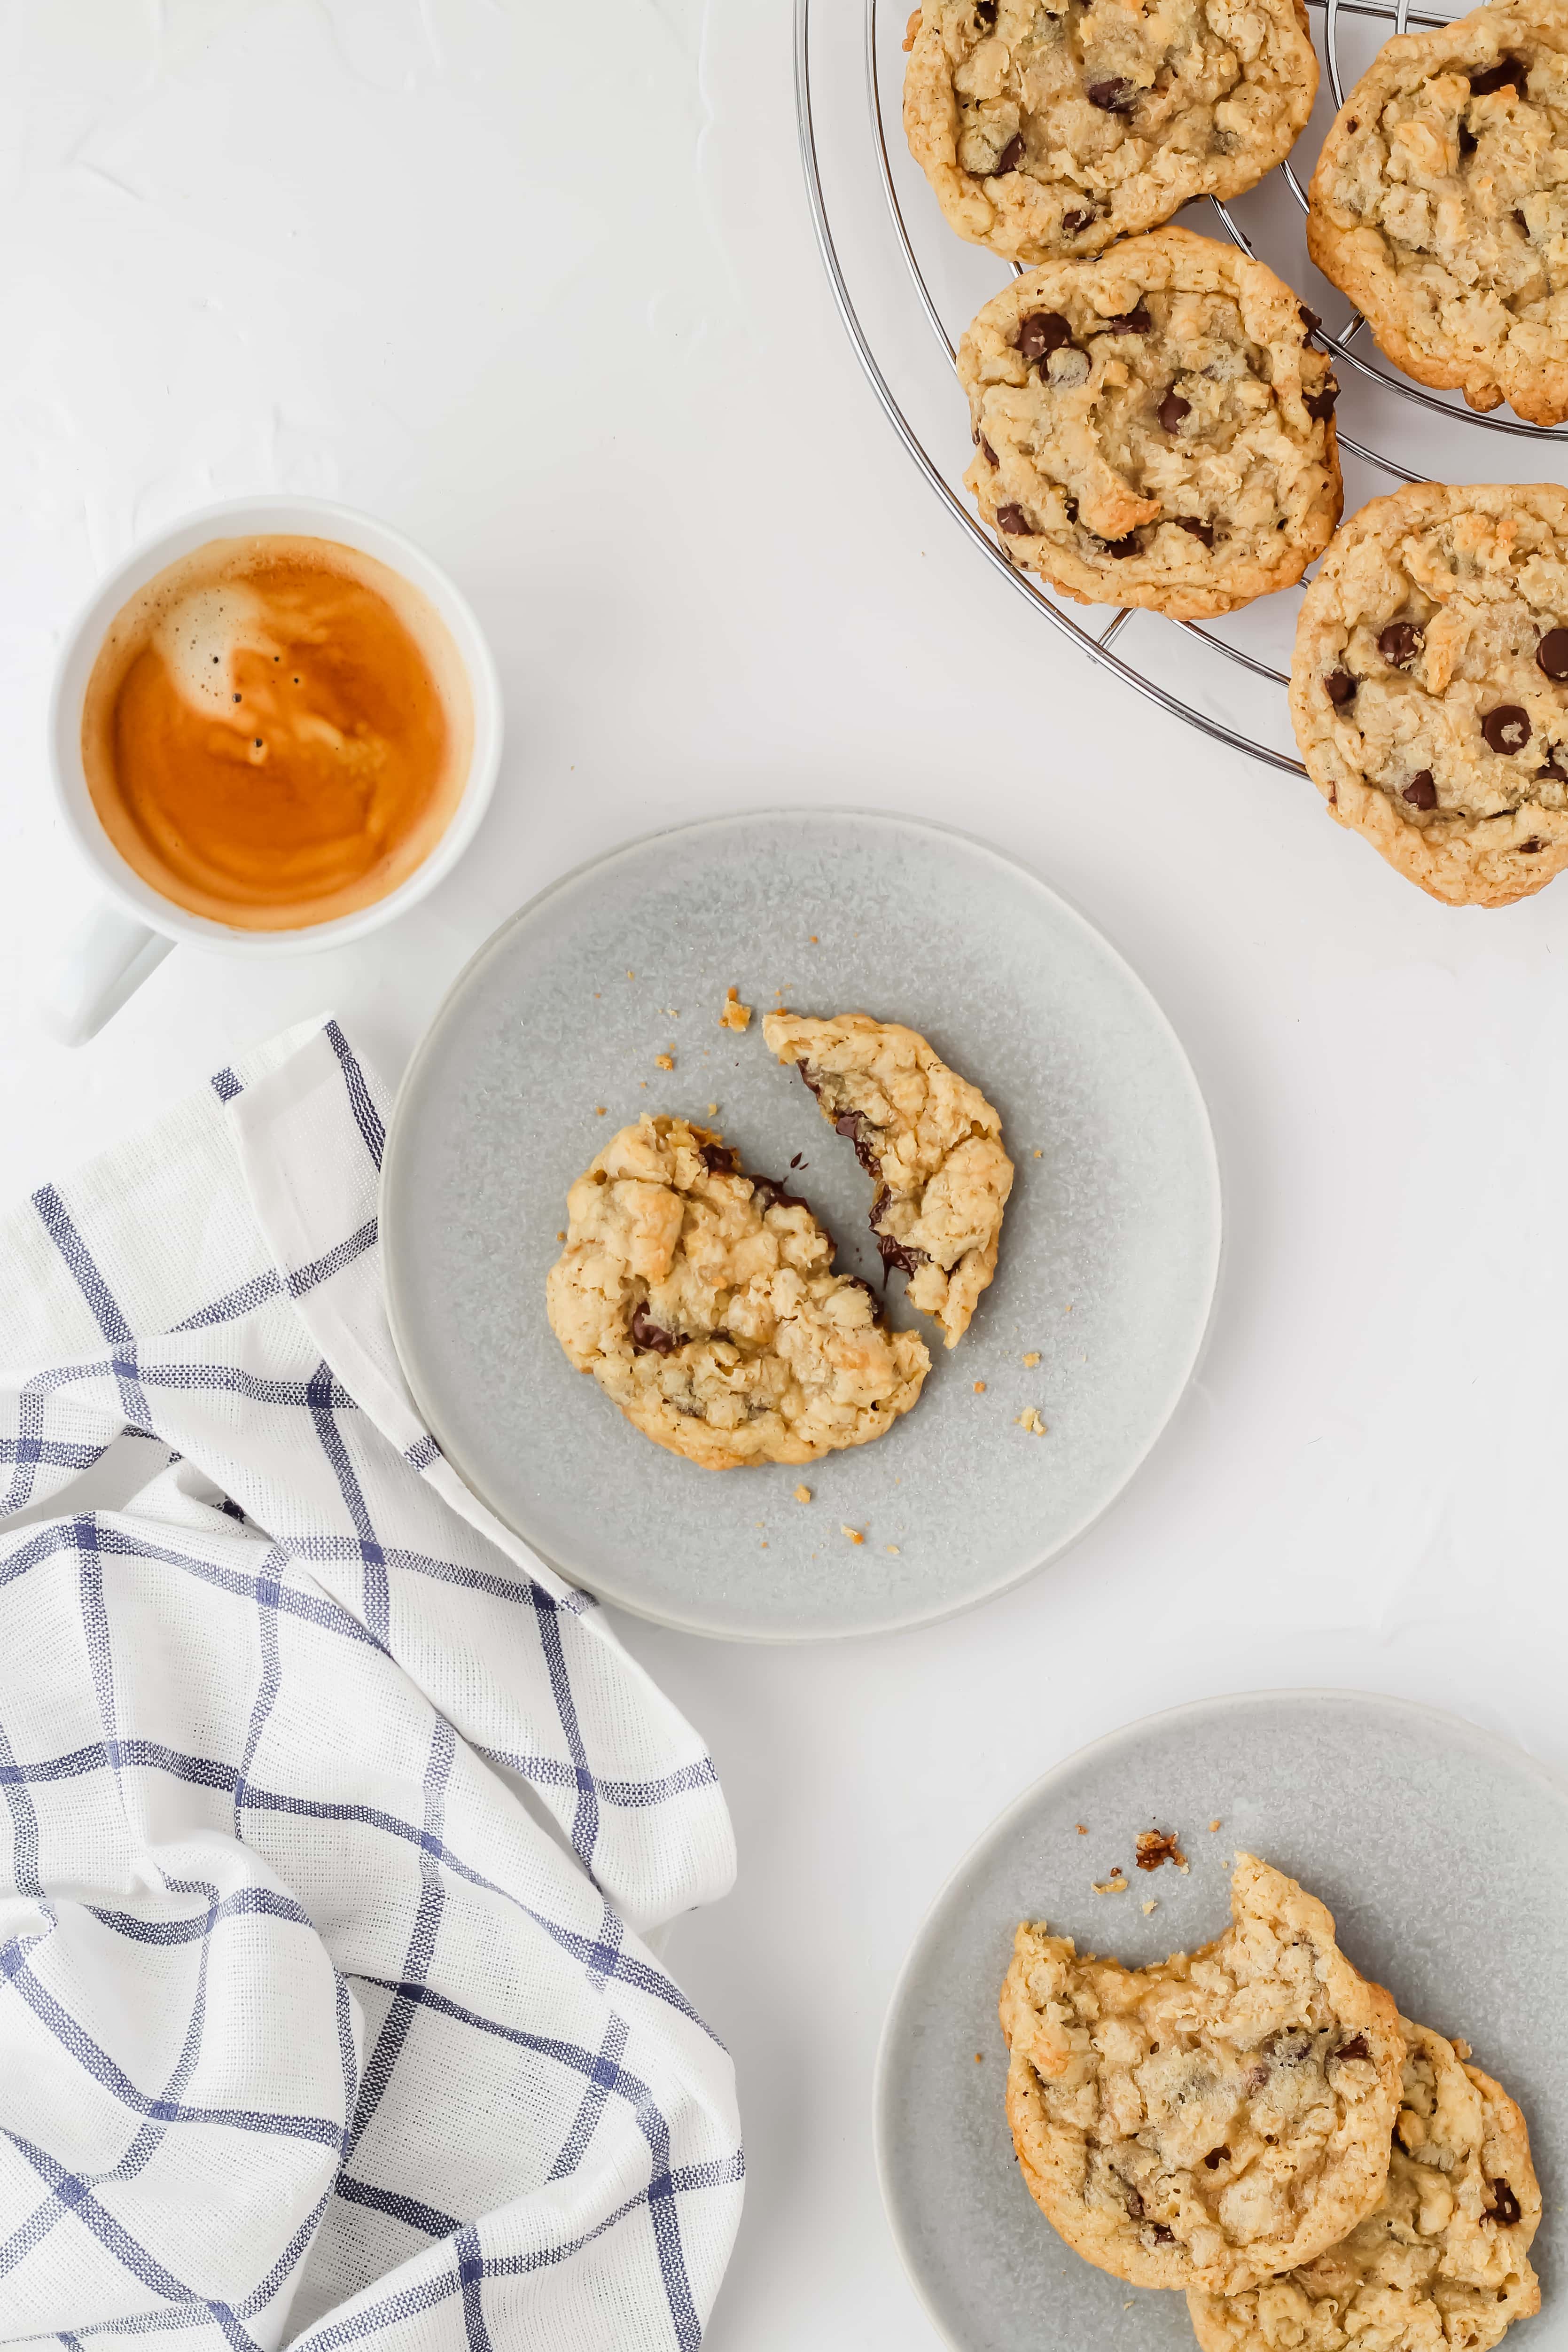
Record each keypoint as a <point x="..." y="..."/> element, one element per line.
<point x="1212" y="2120"/>
<point x="1442" y="2262"/>
<point x="1155" y="427"/>
<point x="1050" y="127"/>
<point x="1440" y="206"/>
<point x="1430" y="686"/>
<point x="704" y="1303"/>
<point x="929" y="1139"/>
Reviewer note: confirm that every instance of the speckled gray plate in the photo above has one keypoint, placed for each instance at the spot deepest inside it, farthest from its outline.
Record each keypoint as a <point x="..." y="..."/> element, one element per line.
<point x="1108" y="1255"/>
<point x="1442" y="1853"/>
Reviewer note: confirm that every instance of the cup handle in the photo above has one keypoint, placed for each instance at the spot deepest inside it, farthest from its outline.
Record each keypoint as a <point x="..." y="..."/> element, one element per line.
<point x="104" y="964"/>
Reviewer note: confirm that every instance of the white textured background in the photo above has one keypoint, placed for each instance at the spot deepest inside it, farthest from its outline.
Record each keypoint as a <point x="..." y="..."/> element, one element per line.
<point x="537" y="283"/>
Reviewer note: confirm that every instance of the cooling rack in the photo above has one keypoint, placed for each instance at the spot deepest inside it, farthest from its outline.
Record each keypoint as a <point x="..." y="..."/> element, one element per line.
<point x="903" y="281"/>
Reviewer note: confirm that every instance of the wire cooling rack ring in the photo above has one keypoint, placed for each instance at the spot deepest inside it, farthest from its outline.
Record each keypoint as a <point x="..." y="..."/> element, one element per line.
<point x="1098" y="646"/>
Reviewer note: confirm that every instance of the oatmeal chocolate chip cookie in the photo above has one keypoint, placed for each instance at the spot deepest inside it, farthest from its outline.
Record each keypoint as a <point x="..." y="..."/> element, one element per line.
<point x="1212" y="2120"/>
<point x="1440" y="206"/>
<point x="930" y="1140"/>
<point x="1442" y="2263"/>
<point x="704" y="1303"/>
<point x="1155" y="427"/>
<point x="1430" y="686"/>
<point x="1050" y="126"/>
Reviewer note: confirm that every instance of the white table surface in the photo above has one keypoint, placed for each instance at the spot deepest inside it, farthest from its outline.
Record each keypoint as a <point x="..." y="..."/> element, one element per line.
<point x="538" y="284"/>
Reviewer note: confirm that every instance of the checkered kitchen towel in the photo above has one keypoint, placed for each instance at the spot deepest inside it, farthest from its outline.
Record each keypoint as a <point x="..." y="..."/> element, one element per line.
<point x="330" y="1815"/>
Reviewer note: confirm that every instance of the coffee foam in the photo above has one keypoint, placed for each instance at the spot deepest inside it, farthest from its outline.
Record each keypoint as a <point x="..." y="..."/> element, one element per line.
<point x="199" y="636"/>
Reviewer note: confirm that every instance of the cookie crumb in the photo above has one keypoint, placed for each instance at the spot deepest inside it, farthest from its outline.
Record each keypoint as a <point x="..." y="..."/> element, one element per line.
<point x="1032" y="1358"/>
<point x="1462" y="2051"/>
<point x="812" y="940"/>
<point x="1156" y="1847"/>
<point x="1083" y="1829"/>
<point x="1115" y="1885"/>
<point x="1038" y="1155"/>
<point x="979" y="2055"/>
<point x="853" y="1534"/>
<point x="980" y="1388"/>
<point x="664" y="1061"/>
<point x="1152" y="1905"/>
<point x="631" y="975"/>
<point x="1030" y="1418"/>
<point x="909" y="32"/>
<point x="892" y="1548"/>
<point x="1214" y="1825"/>
<point x="713" y="1110"/>
<point x="802" y="1494"/>
<point x="559" y="1236"/>
<point x="735" y="1015"/>
<point x="601" y="1110"/>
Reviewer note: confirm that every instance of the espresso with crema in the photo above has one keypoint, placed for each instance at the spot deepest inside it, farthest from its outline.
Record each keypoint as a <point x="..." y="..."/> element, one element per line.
<point x="276" y="731"/>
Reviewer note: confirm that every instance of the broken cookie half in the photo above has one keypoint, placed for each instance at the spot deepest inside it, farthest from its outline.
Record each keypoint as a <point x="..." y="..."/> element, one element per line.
<point x="1216" y="2119"/>
<point x="929" y="1139"/>
<point x="706" y="1303"/>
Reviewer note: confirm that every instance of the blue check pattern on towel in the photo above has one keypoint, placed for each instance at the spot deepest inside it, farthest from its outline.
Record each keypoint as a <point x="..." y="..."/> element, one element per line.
<point x="332" y="1820"/>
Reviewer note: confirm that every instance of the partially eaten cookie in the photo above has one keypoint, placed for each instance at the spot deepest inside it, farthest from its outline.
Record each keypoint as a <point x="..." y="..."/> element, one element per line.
<point x="706" y="1303"/>
<point x="1212" y="2120"/>
<point x="930" y="1141"/>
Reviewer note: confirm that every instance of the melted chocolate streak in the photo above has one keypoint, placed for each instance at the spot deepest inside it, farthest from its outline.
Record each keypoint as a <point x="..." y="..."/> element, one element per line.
<point x="648" y="1336"/>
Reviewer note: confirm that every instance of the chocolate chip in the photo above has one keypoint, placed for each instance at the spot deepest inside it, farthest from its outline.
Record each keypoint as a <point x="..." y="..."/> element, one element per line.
<point x="1507" y="729"/>
<point x="1012" y="155"/>
<point x="1422" y="794"/>
<point x="1216" y="2158"/>
<point x="1074" y="224"/>
<point x="1519" y="222"/>
<point x="1509" y="73"/>
<point x="1531" y="848"/>
<point x="1135" y="2203"/>
<point x="895" y="1254"/>
<point x="1310" y="318"/>
<point x="1340" y="686"/>
<point x="769" y="1194"/>
<point x="1136" y="322"/>
<point x="1042" y="331"/>
<point x="648" y="1337"/>
<point x="1115" y="95"/>
<point x="1013" y="520"/>
<point x="986" y="451"/>
<point x="1356" y="2046"/>
<point x="1172" y="408"/>
<point x="1400" y="643"/>
<point x="1256" y="2077"/>
<point x="1505" y="2206"/>
<point x="861" y="1133"/>
<point x="1320" y="405"/>
<point x="984" y="14"/>
<point x="1469" y="142"/>
<point x="1120" y="548"/>
<point x="1554" y="772"/>
<point x="810" y="1077"/>
<point x="1161" y="2235"/>
<point x="1203" y="532"/>
<point x="716" y="1160"/>
<point x="799" y="1160"/>
<point x="1552" y="654"/>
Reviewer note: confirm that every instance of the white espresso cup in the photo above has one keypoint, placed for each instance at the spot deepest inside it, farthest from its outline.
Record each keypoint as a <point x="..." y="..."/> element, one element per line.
<point x="126" y="939"/>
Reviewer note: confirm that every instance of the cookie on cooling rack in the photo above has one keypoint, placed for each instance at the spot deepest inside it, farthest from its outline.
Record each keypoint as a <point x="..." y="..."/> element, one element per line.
<point x="1053" y="127"/>
<point x="1440" y="206"/>
<point x="1429" y="688"/>
<point x="1153" y="427"/>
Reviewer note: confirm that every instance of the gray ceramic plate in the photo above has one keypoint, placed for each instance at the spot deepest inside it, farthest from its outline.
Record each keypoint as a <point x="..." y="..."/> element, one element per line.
<point x="1443" y="1854"/>
<point x="1116" y="1219"/>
